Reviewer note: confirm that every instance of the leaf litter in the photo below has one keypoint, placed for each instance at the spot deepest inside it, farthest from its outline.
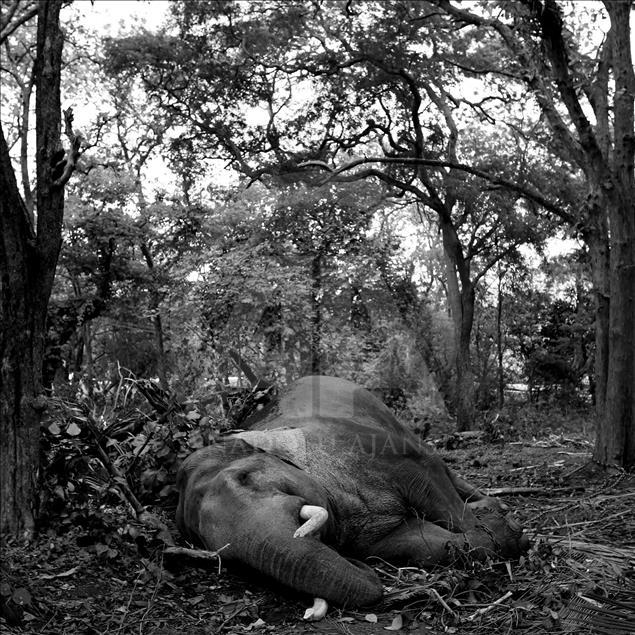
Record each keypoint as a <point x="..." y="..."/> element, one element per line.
<point x="578" y="577"/>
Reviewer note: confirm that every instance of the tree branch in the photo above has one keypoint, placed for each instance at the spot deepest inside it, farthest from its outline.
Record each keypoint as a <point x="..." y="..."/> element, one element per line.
<point x="532" y="76"/>
<point x="68" y="164"/>
<point x="439" y="164"/>
<point x="7" y="28"/>
<point x="551" y="25"/>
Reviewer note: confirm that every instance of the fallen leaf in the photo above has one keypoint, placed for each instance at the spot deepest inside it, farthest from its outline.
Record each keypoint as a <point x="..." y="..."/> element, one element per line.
<point x="226" y="599"/>
<point x="371" y="617"/>
<point x="166" y="537"/>
<point x="21" y="596"/>
<point x="196" y="600"/>
<point x="54" y="429"/>
<point x="397" y="624"/>
<point x="73" y="429"/>
<point x="259" y="623"/>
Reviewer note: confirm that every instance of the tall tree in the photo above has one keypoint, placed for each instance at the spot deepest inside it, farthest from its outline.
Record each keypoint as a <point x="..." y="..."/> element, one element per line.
<point x="562" y="77"/>
<point x="28" y="259"/>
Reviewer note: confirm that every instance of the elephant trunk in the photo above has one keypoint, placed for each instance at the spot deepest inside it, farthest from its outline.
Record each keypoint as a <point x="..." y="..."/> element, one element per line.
<point x="309" y="566"/>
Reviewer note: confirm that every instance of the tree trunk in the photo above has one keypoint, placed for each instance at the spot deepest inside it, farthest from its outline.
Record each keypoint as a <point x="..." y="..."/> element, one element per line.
<point x="461" y="300"/>
<point x="28" y="261"/>
<point x="500" y="378"/>
<point x="615" y="440"/>
<point x="88" y="359"/>
<point x="316" y="314"/>
<point x="19" y="381"/>
<point x="157" y="325"/>
<point x="155" y="295"/>
<point x="597" y="240"/>
<point x="464" y="371"/>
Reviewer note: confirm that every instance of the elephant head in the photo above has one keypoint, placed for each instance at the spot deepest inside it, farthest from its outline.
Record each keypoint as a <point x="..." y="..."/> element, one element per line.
<point x="273" y="517"/>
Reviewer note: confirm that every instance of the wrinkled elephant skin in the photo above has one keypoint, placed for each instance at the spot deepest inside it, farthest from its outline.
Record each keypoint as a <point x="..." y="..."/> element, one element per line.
<point x="330" y="444"/>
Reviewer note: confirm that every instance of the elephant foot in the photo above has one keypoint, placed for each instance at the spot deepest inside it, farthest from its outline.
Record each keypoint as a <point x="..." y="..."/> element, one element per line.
<point x="504" y="531"/>
<point x="487" y="503"/>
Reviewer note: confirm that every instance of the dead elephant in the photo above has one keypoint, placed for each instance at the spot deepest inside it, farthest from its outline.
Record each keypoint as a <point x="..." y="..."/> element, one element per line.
<point x="329" y="477"/>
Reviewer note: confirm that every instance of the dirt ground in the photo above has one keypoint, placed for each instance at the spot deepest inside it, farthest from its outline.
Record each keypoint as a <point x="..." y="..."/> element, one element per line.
<point x="579" y="576"/>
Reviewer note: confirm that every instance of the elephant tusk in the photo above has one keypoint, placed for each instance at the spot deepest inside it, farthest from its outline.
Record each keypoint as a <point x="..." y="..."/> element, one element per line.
<point x="315" y="517"/>
<point x="317" y="611"/>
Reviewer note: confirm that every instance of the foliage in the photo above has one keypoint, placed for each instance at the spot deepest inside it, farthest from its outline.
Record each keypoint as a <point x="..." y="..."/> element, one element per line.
<point x="89" y="457"/>
<point x="556" y="352"/>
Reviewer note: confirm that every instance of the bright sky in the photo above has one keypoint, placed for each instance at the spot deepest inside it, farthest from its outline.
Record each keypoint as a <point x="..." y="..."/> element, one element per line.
<point x="112" y="16"/>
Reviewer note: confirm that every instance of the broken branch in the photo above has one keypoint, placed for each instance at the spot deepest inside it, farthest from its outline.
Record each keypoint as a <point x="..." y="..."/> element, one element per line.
<point x="74" y="152"/>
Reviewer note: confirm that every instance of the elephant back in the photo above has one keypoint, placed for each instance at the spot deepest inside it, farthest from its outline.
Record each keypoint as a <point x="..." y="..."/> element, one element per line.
<point x="317" y="398"/>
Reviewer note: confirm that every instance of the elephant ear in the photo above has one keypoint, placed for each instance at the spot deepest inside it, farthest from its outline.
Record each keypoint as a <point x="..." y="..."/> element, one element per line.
<point x="254" y="506"/>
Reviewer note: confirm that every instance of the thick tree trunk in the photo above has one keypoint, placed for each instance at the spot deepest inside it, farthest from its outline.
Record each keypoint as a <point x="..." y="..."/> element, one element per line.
<point x="597" y="240"/>
<point x="461" y="300"/>
<point x="19" y="357"/>
<point x="615" y="440"/>
<point x="28" y="261"/>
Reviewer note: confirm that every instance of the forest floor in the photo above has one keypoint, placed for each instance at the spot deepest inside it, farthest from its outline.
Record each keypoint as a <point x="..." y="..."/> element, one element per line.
<point x="578" y="577"/>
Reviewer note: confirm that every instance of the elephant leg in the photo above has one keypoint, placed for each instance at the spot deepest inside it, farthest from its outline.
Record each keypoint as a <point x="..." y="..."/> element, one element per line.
<point x="474" y="498"/>
<point x="438" y="494"/>
<point x="429" y="490"/>
<point x="425" y="543"/>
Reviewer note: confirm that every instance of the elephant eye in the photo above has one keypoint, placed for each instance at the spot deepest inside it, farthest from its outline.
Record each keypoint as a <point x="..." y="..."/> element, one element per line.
<point x="242" y="477"/>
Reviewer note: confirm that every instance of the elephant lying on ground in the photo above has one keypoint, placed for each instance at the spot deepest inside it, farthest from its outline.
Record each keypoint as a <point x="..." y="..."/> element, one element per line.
<point x="331" y="471"/>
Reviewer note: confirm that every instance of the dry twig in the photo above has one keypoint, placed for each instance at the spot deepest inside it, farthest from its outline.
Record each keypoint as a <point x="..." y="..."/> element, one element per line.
<point x="488" y="608"/>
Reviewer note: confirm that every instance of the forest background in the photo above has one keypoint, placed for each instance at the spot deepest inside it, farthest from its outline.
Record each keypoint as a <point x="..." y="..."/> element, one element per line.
<point x="433" y="199"/>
